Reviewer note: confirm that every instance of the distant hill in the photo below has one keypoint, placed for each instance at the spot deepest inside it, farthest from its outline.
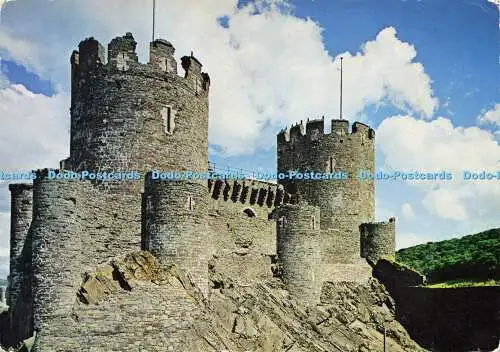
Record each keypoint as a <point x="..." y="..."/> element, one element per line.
<point x="470" y="257"/>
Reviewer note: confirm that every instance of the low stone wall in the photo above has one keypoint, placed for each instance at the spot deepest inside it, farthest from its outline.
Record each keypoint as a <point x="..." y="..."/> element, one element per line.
<point x="442" y="320"/>
<point x="451" y="319"/>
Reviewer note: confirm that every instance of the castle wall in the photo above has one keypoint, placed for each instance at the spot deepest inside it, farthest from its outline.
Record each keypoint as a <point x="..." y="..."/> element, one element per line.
<point x="130" y="116"/>
<point x="176" y="226"/>
<point x="344" y="203"/>
<point x="20" y="220"/>
<point x="299" y="243"/>
<point x="378" y="240"/>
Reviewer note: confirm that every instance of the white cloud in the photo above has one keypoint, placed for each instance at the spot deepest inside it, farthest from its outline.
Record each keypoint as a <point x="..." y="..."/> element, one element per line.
<point x="4" y="234"/>
<point x="490" y="117"/>
<point x="409" y="239"/>
<point x="267" y="69"/>
<point x="35" y="129"/>
<point x="410" y="144"/>
<point x="407" y="211"/>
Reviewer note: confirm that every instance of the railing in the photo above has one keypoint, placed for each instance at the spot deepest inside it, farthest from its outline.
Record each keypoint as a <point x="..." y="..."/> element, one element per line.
<point x="247" y="174"/>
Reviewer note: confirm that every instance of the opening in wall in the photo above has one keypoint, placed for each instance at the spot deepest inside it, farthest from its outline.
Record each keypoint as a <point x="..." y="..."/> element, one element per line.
<point x="250" y="212"/>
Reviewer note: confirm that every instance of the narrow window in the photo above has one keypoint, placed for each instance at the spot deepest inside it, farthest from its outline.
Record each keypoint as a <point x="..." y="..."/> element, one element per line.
<point x="169" y="119"/>
<point x="190" y="203"/>
<point x="313" y="222"/>
<point x="282" y="222"/>
<point x="331" y="164"/>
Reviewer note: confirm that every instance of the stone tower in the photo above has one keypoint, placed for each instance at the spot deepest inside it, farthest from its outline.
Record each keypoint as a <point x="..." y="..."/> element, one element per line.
<point x="345" y="201"/>
<point x="378" y="240"/>
<point x="175" y="225"/>
<point x="20" y="220"/>
<point x="126" y="115"/>
<point x="299" y="250"/>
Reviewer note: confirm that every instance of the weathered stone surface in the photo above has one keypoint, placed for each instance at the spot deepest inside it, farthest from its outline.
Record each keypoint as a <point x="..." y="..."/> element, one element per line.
<point x="215" y="239"/>
<point x="344" y="203"/>
<point x="393" y="275"/>
<point x="378" y="240"/>
<point x="151" y="308"/>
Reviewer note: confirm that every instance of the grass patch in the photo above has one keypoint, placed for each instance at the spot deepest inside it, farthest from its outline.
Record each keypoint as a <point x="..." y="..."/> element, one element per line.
<point x="464" y="283"/>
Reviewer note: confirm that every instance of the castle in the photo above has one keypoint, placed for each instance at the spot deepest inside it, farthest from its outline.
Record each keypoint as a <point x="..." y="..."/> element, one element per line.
<point x="126" y="115"/>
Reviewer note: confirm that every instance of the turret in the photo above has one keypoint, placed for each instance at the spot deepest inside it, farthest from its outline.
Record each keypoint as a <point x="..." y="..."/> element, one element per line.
<point x="57" y="254"/>
<point x="20" y="219"/>
<point x="378" y="240"/>
<point x="299" y="250"/>
<point x="175" y="225"/>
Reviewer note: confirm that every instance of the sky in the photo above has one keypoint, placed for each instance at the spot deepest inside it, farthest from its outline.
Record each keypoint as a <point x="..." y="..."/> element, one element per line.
<point x="423" y="73"/>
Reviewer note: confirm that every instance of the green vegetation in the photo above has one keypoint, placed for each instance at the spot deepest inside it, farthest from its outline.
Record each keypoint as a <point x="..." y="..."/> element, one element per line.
<point x="3" y="282"/>
<point x="464" y="283"/>
<point x="474" y="257"/>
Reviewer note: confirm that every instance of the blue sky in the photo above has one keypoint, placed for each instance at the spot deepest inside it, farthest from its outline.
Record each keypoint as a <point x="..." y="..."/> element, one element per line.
<point x="423" y="73"/>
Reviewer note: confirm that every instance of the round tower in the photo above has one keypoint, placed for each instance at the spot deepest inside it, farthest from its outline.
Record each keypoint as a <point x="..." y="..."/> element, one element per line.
<point x="127" y="116"/>
<point x="345" y="200"/>
<point x="298" y="247"/>
<point x="57" y="255"/>
<point x="378" y="240"/>
<point x="175" y="225"/>
<point x="21" y="208"/>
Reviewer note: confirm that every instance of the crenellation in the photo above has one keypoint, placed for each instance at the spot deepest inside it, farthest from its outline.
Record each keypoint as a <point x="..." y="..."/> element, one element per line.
<point x="127" y="116"/>
<point x="121" y="52"/>
<point x="254" y="193"/>
<point x="297" y="131"/>
<point x="217" y="189"/>
<point x="161" y="56"/>
<point x="315" y="128"/>
<point x="90" y="56"/>
<point x="340" y="127"/>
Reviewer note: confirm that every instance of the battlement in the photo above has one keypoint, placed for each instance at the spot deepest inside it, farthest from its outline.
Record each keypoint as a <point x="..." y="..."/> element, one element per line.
<point x="121" y="52"/>
<point x="264" y="194"/>
<point x="161" y="56"/>
<point x="122" y="57"/>
<point x="315" y="129"/>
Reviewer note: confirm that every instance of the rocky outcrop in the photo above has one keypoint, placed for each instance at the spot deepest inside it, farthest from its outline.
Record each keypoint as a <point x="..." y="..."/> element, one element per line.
<point x="133" y="302"/>
<point x="394" y="275"/>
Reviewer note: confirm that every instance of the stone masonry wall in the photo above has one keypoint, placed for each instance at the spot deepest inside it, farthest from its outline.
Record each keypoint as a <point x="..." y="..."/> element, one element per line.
<point x="130" y="116"/>
<point x="20" y="220"/>
<point x="298" y="229"/>
<point x="344" y="204"/>
<point x="76" y="227"/>
<point x="56" y="245"/>
<point x="176" y="226"/>
<point x="378" y="240"/>
<point x="19" y="295"/>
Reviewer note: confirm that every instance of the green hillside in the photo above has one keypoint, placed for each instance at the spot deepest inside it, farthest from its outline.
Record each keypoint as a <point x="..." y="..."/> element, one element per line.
<point x="470" y="257"/>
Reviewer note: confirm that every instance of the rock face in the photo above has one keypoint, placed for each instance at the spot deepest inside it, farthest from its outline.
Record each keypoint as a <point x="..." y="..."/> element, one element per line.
<point x="134" y="303"/>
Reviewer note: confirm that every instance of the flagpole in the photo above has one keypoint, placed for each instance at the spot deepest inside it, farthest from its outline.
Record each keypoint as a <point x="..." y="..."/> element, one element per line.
<point x="341" y="88"/>
<point x="154" y="15"/>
